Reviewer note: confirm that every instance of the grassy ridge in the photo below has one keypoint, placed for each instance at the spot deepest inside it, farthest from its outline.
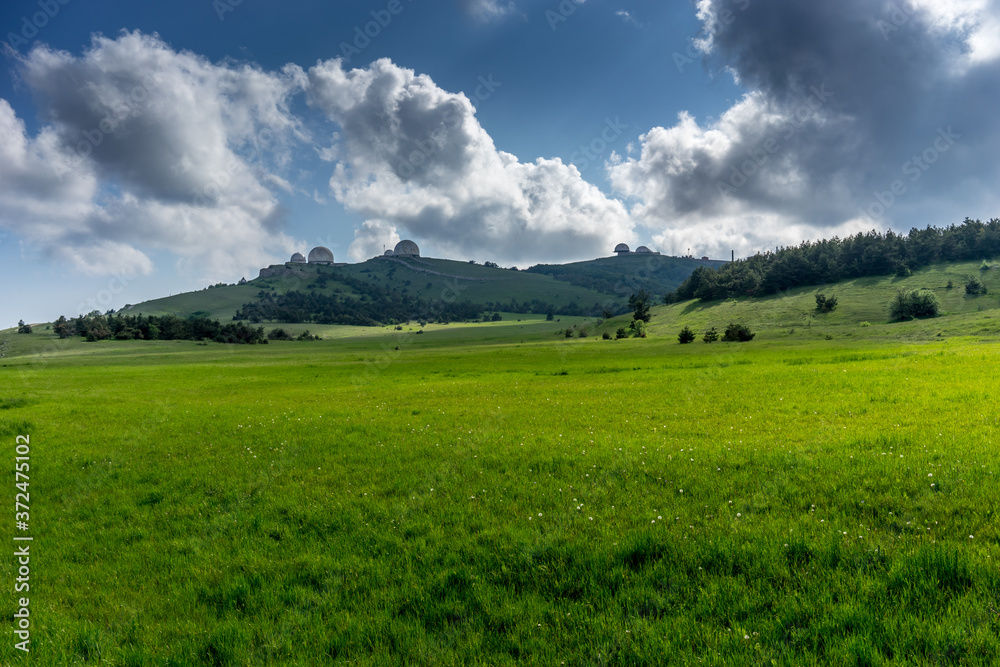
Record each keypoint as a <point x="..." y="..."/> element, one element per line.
<point x="472" y="501"/>
<point x="479" y="284"/>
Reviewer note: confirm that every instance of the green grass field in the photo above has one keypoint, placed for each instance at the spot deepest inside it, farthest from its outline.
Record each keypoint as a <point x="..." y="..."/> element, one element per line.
<point x="496" y="494"/>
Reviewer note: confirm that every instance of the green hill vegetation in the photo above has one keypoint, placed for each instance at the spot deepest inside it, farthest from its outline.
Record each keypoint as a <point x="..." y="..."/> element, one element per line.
<point x="863" y="309"/>
<point x="657" y="274"/>
<point x="832" y="260"/>
<point x="419" y="288"/>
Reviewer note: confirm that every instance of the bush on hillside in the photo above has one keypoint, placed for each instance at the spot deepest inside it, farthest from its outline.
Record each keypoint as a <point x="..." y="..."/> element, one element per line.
<point x="621" y="333"/>
<point x="909" y="304"/>
<point x="974" y="286"/>
<point x="711" y="335"/>
<point x="685" y="336"/>
<point x="739" y="333"/>
<point x="279" y="334"/>
<point x="826" y="304"/>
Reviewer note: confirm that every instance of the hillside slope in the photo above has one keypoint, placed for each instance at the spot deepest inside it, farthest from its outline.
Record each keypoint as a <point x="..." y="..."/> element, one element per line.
<point x="590" y="286"/>
<point x="863" y="310"/>
<point x="657" y="274"/>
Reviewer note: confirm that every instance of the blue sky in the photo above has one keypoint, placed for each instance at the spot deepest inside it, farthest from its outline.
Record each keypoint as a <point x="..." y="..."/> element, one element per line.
<point x="154" y="148"/>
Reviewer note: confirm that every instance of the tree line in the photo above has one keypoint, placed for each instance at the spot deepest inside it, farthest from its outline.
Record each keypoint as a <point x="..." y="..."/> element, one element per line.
<point x="374" y="307"/>
<point x="108" y="326"/>
<point x="831" y="260"/>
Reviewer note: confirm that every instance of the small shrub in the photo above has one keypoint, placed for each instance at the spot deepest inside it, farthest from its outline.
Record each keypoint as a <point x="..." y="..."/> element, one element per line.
<point x="279" y="334"/>
<point x="23" y="328"/>
<point x="866" y="324"/>
<point x="685" y="336"/>
<point x="568" y="333"/>
<point x="739" y="333"/>
<point x="621" y="333"/>
<point x="637" y="329"/>
<point x="606" y="335"/>
<point x="711" y="335"/>
<point x="974" y="286"/>
<point x="903" y="271"/>
<point x="950" y="285"/>
<point x="825" y="304"/>
<point x="582" y="333"/>
<point x="908" y="304"/>
<point x="985" y="266"/>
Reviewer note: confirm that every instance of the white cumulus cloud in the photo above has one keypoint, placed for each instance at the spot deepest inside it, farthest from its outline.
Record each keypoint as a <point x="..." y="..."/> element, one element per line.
<point x="143" y="147"/>
<point x="414" y="157"/>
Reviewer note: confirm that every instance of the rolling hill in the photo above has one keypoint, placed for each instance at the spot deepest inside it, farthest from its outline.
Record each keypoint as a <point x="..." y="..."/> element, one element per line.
<point x="579" y="288"/>
<point x="863" y="310"/>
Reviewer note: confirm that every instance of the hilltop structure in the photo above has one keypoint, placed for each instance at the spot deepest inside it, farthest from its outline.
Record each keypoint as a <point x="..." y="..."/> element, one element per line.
<point x="319" y="255"/>
<point x="622" y="249"/>
<point x="406" y="248"/>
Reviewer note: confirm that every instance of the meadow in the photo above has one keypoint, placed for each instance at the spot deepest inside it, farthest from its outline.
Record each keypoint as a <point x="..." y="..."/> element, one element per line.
<point x="497" y="494"/>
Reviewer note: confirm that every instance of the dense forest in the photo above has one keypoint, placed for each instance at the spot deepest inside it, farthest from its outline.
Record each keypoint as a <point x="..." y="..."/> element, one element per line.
<point x="373" y="307"/>
<point x="96" y="326"/>
<point x="816" y="263"/>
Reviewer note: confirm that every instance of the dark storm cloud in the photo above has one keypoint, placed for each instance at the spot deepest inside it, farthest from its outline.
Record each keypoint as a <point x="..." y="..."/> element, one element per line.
<point x="846" y="101"/>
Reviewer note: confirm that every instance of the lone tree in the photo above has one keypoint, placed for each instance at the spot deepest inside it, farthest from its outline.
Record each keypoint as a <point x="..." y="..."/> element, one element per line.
<point x="639" y="303"/>
<point x="711" y="335"/>
<point x="685" y="336"/>
<point x="22" y="327"/>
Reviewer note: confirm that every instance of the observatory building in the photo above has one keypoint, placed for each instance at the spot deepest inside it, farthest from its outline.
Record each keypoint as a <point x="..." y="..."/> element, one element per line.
<point x="389" y="253"/>
<point x="298" y="258"/>
<point x="321" y="255"/>
<point x="406" y="249"/>
<point x="622" y="249"/>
